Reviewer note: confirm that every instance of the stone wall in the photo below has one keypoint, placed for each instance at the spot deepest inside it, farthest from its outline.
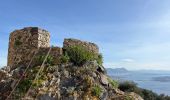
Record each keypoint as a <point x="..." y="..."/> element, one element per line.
<point x="23" y="44"/>
<point x="55" y="52"/>
<point x="88" y="45"/>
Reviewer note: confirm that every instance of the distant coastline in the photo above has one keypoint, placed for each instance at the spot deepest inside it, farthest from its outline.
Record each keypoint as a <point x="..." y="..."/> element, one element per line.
<point x="157" y="81"/>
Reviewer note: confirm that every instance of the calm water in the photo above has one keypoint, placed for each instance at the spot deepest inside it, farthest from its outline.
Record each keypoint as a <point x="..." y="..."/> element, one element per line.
<point x="145" y="80"/>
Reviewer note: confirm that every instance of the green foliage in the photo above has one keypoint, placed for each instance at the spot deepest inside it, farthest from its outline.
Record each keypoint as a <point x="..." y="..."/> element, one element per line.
<point x="96" y="90"/>
<point x="113" y="83"/>
<point x="24" y="85"/>
<point x="144" y="93"/>
<point x="64" y="58"/>
<point x="128" y="98"/>
<point x="100" y="59"/>
<point x="49" y="60"/>
<point x="127" y="86"/>
<point x="148" y="95"/>
<point x="79" y="55"/>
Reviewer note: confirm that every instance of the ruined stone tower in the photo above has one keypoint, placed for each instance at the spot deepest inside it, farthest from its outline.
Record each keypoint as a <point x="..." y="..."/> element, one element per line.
<point x="23" y="44"/>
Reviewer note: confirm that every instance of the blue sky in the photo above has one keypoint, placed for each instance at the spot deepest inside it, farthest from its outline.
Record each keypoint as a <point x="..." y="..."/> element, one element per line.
<point x="134" y="34"/>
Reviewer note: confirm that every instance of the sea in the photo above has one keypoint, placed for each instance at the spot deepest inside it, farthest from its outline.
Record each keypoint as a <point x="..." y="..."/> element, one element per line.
<point x="156" y="81"/>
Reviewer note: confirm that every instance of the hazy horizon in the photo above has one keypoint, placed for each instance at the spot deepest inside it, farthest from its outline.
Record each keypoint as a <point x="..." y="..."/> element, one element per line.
<point x="130" y="33"/>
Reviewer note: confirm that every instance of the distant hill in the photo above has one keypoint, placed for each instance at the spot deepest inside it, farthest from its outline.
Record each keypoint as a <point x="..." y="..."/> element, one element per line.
<point x="117" y="70"/>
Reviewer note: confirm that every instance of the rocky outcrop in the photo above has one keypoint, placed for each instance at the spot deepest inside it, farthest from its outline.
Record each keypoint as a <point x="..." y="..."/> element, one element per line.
<point x="66" y="82"/>
<point x="4" y="73"/>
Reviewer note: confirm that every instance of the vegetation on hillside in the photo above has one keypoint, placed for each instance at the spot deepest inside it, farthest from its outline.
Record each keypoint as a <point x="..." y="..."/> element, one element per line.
<point x="144" y="93"/>
<point x="114" y="83"/>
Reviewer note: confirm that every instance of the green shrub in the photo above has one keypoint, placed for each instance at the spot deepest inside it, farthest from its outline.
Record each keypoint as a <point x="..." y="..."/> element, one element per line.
<point x="50" y="60"/>
<point x="24" y="85"/>
<point x="64" y="58"/>
<point x="41" y="58"/>
<point x="128" y="98"/>
<point x="113" y="83"/>
<point x="144" y="93"/>
<point x="100" y="59"/>
<point x="79" y="55"/>
<point x="127" y="86"/>
<point x="96" y="90"/>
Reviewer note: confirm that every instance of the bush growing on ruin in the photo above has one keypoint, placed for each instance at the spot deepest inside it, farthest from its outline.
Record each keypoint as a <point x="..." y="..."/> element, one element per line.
<point x="41" y="58"/>
<point x="64" y="58"/>
<point x="24" y="85"/>
<point x="79" y="55"/>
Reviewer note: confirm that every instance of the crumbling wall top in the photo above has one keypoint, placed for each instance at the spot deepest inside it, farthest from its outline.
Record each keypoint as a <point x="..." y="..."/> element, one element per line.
<point x="88" y="45"/>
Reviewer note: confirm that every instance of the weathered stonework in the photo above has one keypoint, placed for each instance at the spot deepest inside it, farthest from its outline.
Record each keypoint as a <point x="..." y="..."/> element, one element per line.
<point x="60" y="80"/>
<point x="23" y="44"/>
<point x="88" y="45"/>
<point x="55" y="53"/>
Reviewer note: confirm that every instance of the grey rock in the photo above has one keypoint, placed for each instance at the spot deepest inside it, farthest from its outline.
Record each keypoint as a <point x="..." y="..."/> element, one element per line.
<point x="91" y="63"/>
<point x="94" y="74"/>
<point x="70" y="89"/>
<point x="66" y="73"/>
<point x="101" y="69"/>
<point x="103" y="79"/>
<point x="45" y="97"/>
<point x="104" y="96"/>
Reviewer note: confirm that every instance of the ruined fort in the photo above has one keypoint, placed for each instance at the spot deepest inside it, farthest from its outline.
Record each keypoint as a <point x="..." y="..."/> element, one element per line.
<point x="26" y="78"/>
<point x="28" y="42"/>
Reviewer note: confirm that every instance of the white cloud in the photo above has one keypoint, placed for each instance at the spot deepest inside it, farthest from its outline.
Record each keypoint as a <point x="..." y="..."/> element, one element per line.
<point x="138" y="65"/>
<point x="129" y="60"/>
<point x="110" y="65"/>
